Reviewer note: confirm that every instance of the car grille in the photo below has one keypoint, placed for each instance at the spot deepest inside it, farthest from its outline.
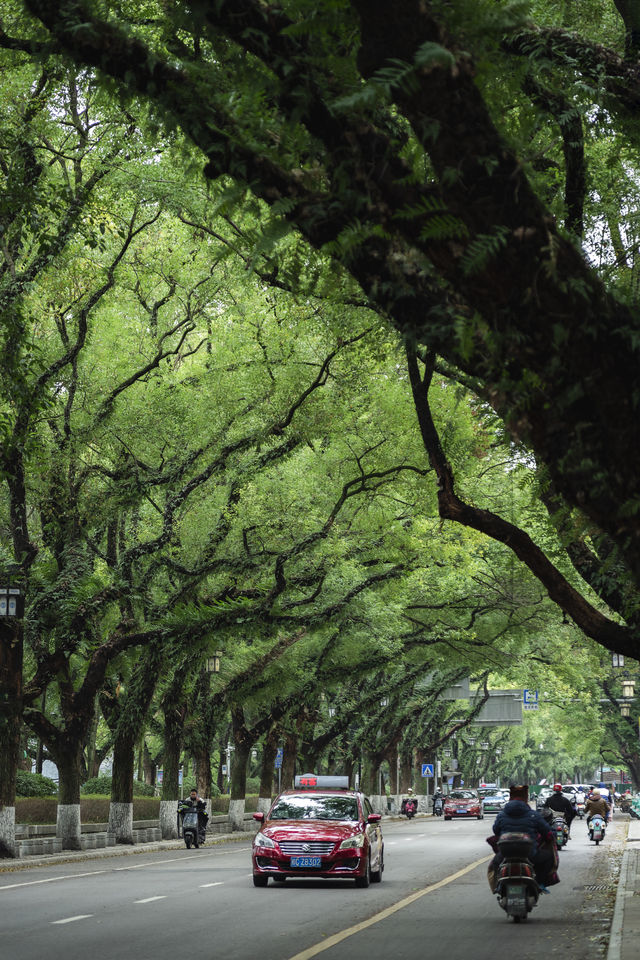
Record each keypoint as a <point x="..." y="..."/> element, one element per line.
<point x="296" y="848"/>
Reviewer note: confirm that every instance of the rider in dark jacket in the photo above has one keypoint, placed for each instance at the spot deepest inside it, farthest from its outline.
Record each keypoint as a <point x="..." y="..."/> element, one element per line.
<point x="198" y="804"/>
<point x="561" y="804"/>
<point x="518" y="817"/>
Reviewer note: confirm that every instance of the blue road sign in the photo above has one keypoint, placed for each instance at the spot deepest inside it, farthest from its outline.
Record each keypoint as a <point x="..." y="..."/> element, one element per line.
<point x="279" y="755"/>
<point x="530" y="699"/>
<point x="427" y="769"/>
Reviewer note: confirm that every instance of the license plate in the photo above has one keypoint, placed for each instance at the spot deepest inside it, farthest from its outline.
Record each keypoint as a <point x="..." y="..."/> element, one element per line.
<point x="308" y="862"/>
<point x="462" y="810"/>
<point x="516" y="894"/>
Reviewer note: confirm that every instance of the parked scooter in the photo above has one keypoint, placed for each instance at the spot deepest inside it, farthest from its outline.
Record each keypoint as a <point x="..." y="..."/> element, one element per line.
<point x="190" y="823"/>
<point x="409" y="807"/>
<point x="596" y="828"/>
<point x="516" y="887"/>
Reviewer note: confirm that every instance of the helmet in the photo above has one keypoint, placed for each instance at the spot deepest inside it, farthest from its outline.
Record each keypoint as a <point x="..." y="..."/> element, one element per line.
<point x="557" y="788"/>
<point x="409" y="790"/>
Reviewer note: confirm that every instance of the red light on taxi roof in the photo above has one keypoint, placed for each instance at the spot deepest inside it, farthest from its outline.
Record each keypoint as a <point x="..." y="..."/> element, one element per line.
<point x="320" y="782"/>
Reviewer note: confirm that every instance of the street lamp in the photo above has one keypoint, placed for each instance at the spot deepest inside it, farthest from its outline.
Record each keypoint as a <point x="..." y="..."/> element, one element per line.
<point x="628" y="687"/>
<point x="212" y="664"/>
<point x="11" y="595"/>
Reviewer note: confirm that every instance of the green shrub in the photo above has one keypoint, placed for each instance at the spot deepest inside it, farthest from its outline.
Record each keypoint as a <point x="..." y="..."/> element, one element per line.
<point x="97" y="786"/>
<point x="101" y="787"/>
<point x="92" y="809"/>
<point x="34" y="785"/>
<point x="36" y="809"/>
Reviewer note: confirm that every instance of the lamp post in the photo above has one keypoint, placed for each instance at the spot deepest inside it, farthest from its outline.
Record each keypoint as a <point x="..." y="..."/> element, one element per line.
<point x="11" y="704"/>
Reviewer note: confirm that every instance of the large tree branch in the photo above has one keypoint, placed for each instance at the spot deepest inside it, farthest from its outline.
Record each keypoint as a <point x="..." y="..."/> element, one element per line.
<point x="451" y="507"/>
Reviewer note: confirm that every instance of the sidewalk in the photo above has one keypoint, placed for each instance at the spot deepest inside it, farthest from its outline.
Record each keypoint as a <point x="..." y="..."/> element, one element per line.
<point x="624" y="939"/>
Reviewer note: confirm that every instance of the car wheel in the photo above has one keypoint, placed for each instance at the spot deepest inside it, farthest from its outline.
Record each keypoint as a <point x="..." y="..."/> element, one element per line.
<point x="365" y="880"/>
<point x="481" y="816"/>
<point x="376" y="875"/>
<point x="447" y="818"/>
<point x="259" y="880"/>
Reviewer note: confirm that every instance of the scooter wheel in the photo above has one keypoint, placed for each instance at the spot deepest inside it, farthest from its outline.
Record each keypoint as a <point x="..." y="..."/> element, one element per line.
<point x="187" y="841"/>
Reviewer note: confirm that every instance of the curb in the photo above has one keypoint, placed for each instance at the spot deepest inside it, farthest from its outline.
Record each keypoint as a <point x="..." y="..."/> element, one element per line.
<point x="125" y="850"/>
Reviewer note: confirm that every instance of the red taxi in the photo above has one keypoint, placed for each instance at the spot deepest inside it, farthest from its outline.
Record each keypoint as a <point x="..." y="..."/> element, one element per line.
<point x="463" y="803"/>
<point x="320" y="829"/>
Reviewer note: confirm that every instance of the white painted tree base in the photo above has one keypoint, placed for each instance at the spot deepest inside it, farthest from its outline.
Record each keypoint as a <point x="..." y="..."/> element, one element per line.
<point x="68" y="826"/>
<point x="8" y="832"/>
<point x="169" y="819"/>
<point x="121" y="821"/>
<point x="264" y="804"/>
<point x="236" y="814"/>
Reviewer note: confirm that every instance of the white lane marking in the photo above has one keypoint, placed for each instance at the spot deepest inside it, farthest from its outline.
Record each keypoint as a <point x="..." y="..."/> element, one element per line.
<point x="153" y="863"/>
<point x="387" y="912"/>
<point x="390" y="843"/>
<point x="81" y="916"/>
<point x="32" y="883"/>
<point x="218" y="883"/>
<point x="150" y="899"/>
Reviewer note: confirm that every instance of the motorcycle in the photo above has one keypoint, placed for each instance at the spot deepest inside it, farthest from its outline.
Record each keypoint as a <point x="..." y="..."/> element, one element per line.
<point x="438" y="806"/>
<point x="596" y="828"/>
<point x="190" y="826"/>
<point x="561" y="830"/>
<point x="580" y="809"/>
<point x="409" y="807"/>
<point x="516" y="887"/>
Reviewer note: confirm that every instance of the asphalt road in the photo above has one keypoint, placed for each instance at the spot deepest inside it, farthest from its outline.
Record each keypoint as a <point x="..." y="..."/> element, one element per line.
<point x="202" y="903"/>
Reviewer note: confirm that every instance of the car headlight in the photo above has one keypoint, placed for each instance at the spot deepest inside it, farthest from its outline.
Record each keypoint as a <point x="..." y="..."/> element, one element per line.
<point x="261" y="840"/>
<point x="353" y="842"/>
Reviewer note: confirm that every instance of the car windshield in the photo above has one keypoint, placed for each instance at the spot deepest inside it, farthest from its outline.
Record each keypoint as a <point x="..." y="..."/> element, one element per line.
<point x="492" y="793"/>
<point x="462" y="795"/>
<point x="315" y="808"/>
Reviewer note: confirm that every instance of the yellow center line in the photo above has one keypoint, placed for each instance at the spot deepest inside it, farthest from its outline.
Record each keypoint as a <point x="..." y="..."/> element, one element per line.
<point x="387" y="912"/>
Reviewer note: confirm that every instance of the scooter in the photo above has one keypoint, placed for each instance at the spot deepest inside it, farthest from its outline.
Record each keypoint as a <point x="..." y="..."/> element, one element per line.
<point x="409" y="807"/>
<point x="516" y="887"/>
<point x="438" y="806"/>
<point x="596" y="828"/>
<point x="193" y="832"/>
<point x="580" y="809"/>
<point x="561" y="830"/>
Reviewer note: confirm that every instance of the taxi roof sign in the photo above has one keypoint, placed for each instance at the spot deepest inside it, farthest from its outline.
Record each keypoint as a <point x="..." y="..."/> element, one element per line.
<point x="311" y="781"/>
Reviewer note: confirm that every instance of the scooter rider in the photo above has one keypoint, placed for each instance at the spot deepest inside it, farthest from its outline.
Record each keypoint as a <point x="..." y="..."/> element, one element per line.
<point x="203" y="817"/>
<point x="561" y="804"/>
<point x="596" y="805"/>
<point x="408" y="799"/>
<point x="438" y="801"/>
<point x="518" y="817"/>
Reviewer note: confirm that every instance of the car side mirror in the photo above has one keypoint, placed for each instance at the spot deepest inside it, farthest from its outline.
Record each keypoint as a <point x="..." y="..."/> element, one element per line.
<point x="259" y="816"/>
<point x="374" y="818"/>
